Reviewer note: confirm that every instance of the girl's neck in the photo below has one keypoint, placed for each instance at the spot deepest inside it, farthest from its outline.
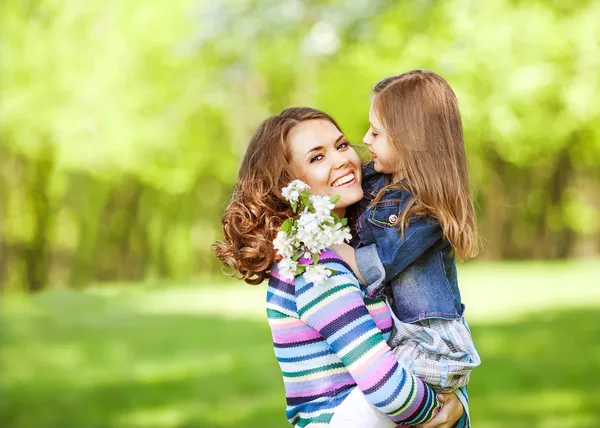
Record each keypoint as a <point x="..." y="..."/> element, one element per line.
<point x="398" y="176"/>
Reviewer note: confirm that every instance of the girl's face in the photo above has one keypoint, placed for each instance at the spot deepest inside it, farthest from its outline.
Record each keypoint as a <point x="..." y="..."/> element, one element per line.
<point x="385" y="155"/>
<point x="322" y="158"/>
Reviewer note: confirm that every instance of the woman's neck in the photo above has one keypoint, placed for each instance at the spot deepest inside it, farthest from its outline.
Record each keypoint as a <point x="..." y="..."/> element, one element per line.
<point x="340" y="212"/>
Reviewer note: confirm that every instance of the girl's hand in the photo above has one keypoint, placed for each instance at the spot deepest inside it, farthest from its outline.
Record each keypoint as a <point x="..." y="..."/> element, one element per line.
<point x="451" y="412"/>
<point x="346" y="253"/>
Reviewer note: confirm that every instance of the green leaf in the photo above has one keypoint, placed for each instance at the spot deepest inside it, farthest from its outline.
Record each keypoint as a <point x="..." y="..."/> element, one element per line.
<point x="344" y="221"/>
<point x="334" y="199"/>
<point x="316" y="258"/>
<point x="304" y="199"/>
<point x="300" y="269"/>
<point x="287" y="226"/>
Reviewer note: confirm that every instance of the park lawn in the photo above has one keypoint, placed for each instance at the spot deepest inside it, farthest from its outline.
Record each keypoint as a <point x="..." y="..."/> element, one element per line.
<point x="200" y="355"/>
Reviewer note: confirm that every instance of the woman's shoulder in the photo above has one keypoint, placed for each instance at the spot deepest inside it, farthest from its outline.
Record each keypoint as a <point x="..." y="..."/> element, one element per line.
<point x="328" y="257"/>
<point x="338" y="271"/>
<point x="339" y="274"/>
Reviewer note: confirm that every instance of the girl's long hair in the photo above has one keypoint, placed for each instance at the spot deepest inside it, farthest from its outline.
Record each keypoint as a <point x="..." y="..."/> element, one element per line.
<point x="420" y="113"/>
<point x="257" y="208"/>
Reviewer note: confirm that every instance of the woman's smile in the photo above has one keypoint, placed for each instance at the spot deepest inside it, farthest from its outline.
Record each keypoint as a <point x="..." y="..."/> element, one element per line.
<point x="347" y="179"/>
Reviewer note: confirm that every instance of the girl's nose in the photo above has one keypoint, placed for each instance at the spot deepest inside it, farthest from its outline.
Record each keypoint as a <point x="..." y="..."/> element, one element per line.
<point x="367" y="138"/>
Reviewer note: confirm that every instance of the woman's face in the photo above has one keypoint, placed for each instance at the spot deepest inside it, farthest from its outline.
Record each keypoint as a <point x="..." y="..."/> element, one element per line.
<point x="322" y="158"/>
<point x="385" y="156"/>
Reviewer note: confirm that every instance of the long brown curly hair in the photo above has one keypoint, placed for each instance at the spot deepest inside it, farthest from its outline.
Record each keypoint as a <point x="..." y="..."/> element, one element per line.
<point x="257" y="208"/>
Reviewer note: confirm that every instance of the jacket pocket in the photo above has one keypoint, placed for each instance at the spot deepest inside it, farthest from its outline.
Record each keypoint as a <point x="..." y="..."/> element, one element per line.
<point x="385" y="213"/>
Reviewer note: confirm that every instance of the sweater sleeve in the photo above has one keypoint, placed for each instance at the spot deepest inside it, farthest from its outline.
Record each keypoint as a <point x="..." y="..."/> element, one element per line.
<point x="336" y="309"/>
<point x="465" y="419"/>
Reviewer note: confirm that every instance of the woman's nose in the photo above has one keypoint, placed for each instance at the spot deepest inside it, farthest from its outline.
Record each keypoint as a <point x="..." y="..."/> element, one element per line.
<point x="340" y="159"/>
<point x="367" y="138"/>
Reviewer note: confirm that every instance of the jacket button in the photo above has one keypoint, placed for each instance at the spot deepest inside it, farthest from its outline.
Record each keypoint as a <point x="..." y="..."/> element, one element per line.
<point x="393" y="218"/>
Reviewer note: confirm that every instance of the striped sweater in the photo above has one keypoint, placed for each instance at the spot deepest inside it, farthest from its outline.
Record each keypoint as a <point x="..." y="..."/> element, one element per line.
<point x="330" y="339"/>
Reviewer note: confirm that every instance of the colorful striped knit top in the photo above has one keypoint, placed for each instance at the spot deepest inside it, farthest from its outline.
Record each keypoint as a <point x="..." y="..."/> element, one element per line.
<point x="329" y="339"/>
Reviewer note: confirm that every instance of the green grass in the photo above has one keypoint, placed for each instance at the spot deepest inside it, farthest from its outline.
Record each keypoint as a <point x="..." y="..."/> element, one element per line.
<point x="142" y="356"/>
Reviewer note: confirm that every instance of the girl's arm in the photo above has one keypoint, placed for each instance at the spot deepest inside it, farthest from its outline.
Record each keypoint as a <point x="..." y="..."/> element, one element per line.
<point x="383" y="260"/>
<point x="336" y="309"/>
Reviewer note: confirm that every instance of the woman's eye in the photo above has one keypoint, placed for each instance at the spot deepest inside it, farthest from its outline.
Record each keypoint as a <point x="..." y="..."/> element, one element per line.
<point x="316" y="158"/>
<point x="374" y="134"/>
<point x="343" y="145"/>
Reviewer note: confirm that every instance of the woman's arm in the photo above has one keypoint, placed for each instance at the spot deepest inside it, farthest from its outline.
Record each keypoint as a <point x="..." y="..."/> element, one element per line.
<point x="336" y="309"/>
<point x="450" y="413"/>
<point x="458" y="401"/>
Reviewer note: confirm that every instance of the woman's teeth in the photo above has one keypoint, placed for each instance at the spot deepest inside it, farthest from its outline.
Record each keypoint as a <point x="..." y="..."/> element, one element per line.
<point x="343" y="180"/>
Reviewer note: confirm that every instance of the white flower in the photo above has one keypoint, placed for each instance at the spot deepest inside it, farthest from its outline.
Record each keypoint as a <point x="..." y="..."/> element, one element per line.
<point x="308" y="231"/>
<point x="323" y="207"/>
<point x="284" y="244"/>
<point x="316" y="274"/>
<point x="292" y="191"/>
<point x="314" y="229"/>
<point x="340" y="234"/>
<point x="287" y="268"/>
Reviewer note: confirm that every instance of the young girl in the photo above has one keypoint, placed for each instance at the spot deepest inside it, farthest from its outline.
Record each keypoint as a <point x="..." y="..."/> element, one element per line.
<point x="415" y="218"/>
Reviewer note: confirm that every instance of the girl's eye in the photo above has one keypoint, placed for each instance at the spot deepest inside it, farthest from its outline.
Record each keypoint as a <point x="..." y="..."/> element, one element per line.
<point x="374" y="134"/>
<point x="343" y="145"/>
<point x="316" y="158"/>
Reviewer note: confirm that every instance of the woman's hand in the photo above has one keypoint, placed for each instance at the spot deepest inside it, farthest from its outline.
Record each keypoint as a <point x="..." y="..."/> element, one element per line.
<point x="346" y="253"/>
<point x="451" y="412"/>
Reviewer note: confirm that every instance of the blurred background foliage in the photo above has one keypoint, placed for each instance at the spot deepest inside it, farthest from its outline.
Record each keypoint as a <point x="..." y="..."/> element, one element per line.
<point x="122" y="125"/>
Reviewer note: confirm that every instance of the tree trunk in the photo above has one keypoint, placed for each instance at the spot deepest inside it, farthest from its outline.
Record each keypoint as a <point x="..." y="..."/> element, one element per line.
<point x="563" y="240"/>
<point x="37" y="254"/>
<point x="495" y="222"/>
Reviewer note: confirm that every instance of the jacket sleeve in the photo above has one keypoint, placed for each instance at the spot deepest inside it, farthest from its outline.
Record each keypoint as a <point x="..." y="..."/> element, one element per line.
<point x="390" y="254"/>
<point x="336" y="309"/>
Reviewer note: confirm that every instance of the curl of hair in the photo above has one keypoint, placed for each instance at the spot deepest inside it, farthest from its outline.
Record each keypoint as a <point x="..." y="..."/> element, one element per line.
<point x="250" y="224"/>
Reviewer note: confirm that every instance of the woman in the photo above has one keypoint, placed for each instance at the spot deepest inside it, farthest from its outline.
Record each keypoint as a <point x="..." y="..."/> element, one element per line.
<point x="330" y="340"/>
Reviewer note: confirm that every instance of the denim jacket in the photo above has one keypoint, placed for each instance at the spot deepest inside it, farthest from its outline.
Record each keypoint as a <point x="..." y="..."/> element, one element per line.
<point x="419" y="268"/>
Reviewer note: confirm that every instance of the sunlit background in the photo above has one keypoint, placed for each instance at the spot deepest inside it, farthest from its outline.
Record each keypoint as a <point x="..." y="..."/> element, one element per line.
<point x="122" y="125"/>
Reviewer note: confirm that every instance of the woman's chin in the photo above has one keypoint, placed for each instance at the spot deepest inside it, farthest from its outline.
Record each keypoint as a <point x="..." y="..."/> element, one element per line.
<point x="349" y="197"/>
